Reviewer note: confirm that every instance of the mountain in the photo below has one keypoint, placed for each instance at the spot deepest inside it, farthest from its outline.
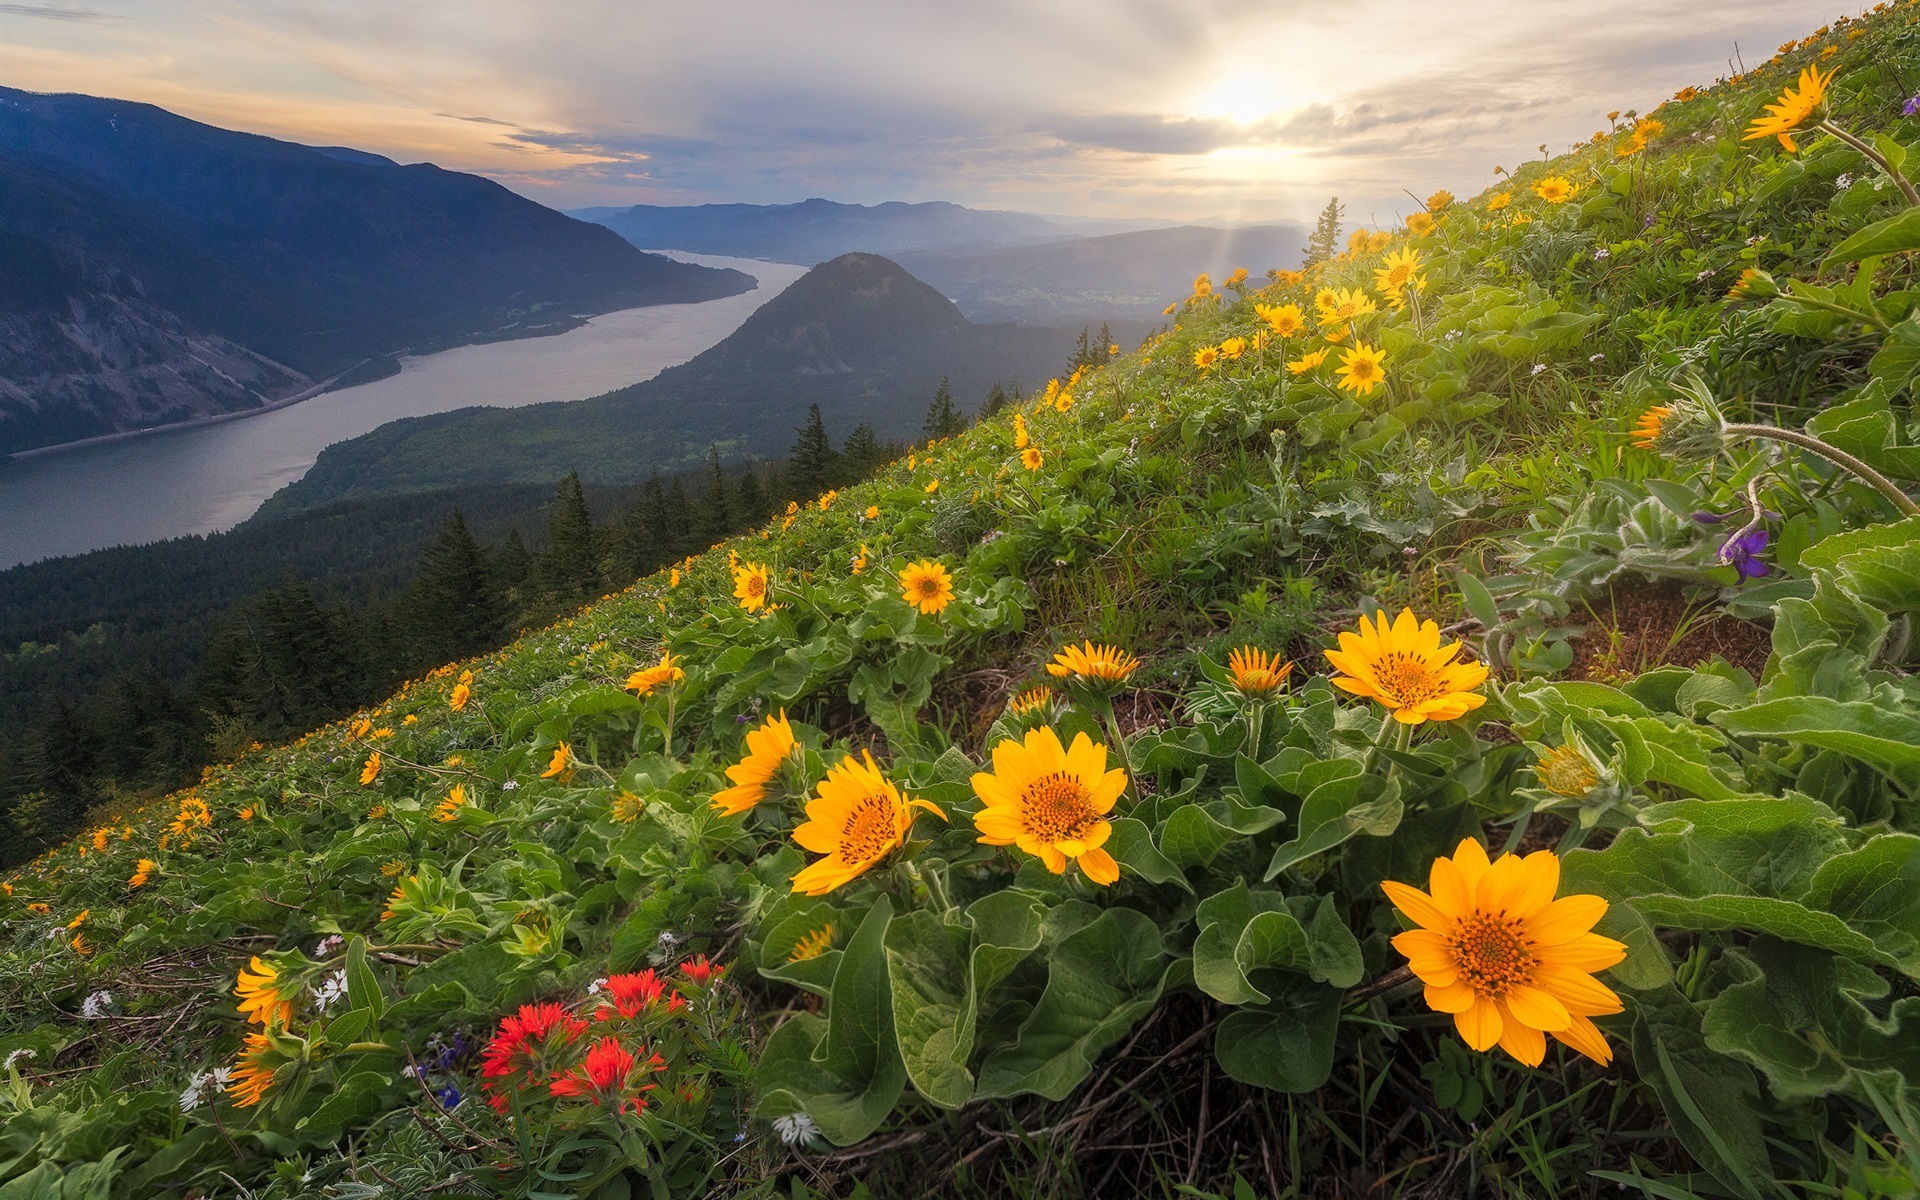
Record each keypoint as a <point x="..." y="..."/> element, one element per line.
<point x="155" y="269"/>
<point x="858" y="335"/>
<point x="1130" y="274"/>
<point x="813" y="231"/>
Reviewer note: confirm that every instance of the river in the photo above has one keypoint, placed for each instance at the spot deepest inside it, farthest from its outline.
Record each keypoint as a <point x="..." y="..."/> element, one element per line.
<point x="212" y="477"/>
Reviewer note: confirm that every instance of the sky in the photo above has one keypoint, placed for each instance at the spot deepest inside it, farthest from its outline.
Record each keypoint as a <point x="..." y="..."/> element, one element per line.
<point x="1207" y="109"/>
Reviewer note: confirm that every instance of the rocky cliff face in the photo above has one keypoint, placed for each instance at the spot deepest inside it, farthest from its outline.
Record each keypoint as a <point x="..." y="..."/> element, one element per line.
<point x="101" y="364"/>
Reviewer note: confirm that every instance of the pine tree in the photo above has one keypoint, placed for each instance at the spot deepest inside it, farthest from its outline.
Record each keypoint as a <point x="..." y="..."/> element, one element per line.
<point x="862" y="455"/>
<point x="943" y="419"/>
<point x="996" y="400"/>
<point x="1326" y="235"/>
<point x="813" y="465"/>
<point x="571" y="565"/>
<point x="453" y="609"/>
<point x="678" y="510"/>
<point x="717" y="515"/>
<point x="512" y="562"/>
<point x="750" y="497"/>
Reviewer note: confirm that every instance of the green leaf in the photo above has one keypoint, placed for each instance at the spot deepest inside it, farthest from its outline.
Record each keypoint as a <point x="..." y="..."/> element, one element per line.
<point x="1243" y="931"/>
<point x="1286" y="1045"/>
<point x="1100" y="980"/>
<point x="1335" y="811"/>
<point x="1711" y="1099"/>
<point x="1131" y="845"/>
<point x="844" y="1070"/>
<point x="1895" y="235"/>
<point x="1883" y="738"/>
<point x="363" y="989"/>
<point x="933" y="1004"/>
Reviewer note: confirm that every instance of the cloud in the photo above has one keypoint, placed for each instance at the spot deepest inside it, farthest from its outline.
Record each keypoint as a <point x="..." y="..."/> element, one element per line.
<point x="1173" y="108"/>
<point x="49" y="12"/>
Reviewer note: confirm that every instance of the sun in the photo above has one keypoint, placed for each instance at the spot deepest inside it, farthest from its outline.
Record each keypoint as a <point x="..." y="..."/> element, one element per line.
<point x="1244" y="100"/>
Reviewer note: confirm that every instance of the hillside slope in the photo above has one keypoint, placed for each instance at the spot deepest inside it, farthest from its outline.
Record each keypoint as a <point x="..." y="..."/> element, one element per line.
<point x="778" y="874"/>
<point x="816" y="230"/>
<point x="141" y="244"/>
<point x="857" y="336"/>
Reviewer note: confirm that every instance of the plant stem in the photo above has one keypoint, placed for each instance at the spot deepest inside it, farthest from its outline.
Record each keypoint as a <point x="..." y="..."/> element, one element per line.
<point x="1877" y="159"/>
<point x="1840" y="458"/>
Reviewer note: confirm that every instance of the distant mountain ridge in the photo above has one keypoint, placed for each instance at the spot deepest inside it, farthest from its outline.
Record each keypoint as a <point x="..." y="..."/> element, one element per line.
<point x="857" y="335"/>
<point x="816" y="230"/>
<point x="155" y="269"/>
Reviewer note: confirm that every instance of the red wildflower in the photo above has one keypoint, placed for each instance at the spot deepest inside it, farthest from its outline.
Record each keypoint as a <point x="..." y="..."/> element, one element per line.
<point x="610" y="1076"/>
<point x="526" y="1042"/>
<point x="631" y="994"/>
<point x="701" y="971"/>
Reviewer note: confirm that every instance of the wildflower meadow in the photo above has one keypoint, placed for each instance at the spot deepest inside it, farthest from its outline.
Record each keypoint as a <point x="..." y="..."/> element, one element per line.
<point x="1436" y="722"/>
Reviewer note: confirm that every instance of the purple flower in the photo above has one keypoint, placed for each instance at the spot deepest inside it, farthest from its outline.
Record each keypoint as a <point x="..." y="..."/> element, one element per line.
<point x="1912" y="106"/>
<point x="1741" y="552"/>
<point x="449" y="1097"/>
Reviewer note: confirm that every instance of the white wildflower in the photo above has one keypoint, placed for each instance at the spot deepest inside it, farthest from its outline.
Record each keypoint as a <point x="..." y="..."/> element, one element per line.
<point x="593" y="989"/>
<point x="1709" y="273"/>
<point x="1595" y="357"/>
<point x="1602" y="254"/>
<point x="1537" y="368"/>
<point x="796" y="1129"/>
<point x="331" y="991"/>
<point x="17" y="1056"/>
<point x="98" y="1006"/>
<point x="1844" y="182"/>
<point x="329" y="945"/>
<point x="204" y="1086"/>
<point x="509" y="785"/>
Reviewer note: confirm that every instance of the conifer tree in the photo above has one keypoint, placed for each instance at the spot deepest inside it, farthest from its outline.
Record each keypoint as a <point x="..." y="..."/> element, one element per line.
<point x="717" y="515"/>
<point x="943" y="419"/>
<point x="681" y="539"/>
<point x="813" y="465"/>
<point x="512" y="561"/>
<point x="571" y="565"/>
<point x="996" y="400"/>
<point x="750" y="497"/>
<point x="453" y="609"/>
<point x="1326" y="235"/>
<point x="862" y="455"/>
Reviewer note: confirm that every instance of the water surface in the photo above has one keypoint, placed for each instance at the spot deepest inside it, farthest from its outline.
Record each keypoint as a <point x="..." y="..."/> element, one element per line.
<point x="212" y="477"/>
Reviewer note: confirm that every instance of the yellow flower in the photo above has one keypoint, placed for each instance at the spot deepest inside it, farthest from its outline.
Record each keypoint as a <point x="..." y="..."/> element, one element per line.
<point x="1397" y="270"/>
<point x="1233" y="347"/>
<point x="1794" y="109"/>
<point x="1420" y="224"/>
<point x="1555" y="189"/>
<point x="397" y="898"/>
<point x="793" y="507"/>
<point x="362" y="728"/>
<point x="751" y="583"/>
<point x="926" y="585"/>
<point x="260" y="1000"/>
<point x="933" y="485"/>
<point x="1031" y="699"/>
<point x="1107" y="664"/>
<point x="371" y="771"/>
<point x="1506" y="959"/>
<point x="246" y="812"/>
<point x="1405" y="668"/>
<point x="392" y="867"/>
<point x="1362" y="369"/>
<point x="812" y="945"/>
<point x="872" y="513"/>
<point x="1285" y="320"/>
<point x="826" y="500"/>
<point x="768" y="748"/>
<point x="1498" y="201"/>
<point x="1238" y="277"/>
<point x="1307" y="362"/>
<point x="461" y="694"/>
<point x="860" y="559"/>
<point x="80" y="920"/>
<point x="1202" y="286"/>
<point x="1051" y="801"/>
<point x="1439" y="200"/>
<point x="1341" y="306"/>
<point x="1205" y="357"/>
<point x="385" y="731"/>
<point x="1289" y="278"/>
<point x="1032" y="459"/>
<point x="857" y="819"/>
<point x="1646" y="433"/>
<point x="1565" y="771"/>
<point x="449" y="808"/>
<point x="662" y="674"/>
<point x="80" y="945"/>
<point x="561" y="766"/>
<point x="411" y="719"/>
<point x="1256" y="672"/>
<point x="252" y="1071"/>
<point x="1170" y="309"/>
<point x="376" y="812"/>
<point x="142" y="873"/>
<point x="1019" y="432"/>
<point x="627" y="806"/>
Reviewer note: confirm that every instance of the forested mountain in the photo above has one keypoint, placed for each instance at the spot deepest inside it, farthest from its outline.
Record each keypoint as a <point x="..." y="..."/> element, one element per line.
<point x="1119" y="275"/>
<point x="858" y="336"/>
<point x="813" y="231"/>
<point x="154" y="269"/>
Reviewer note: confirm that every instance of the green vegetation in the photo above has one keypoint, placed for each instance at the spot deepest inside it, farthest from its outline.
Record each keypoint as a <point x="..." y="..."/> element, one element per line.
<point x="1187" y="958"/>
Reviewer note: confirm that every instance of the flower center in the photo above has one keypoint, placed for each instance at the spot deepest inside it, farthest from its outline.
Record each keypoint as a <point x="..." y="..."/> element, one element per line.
<point x="1492" y="955"/>
<point x="930" y="587"/>
<point x="756" y="586"/>
<point x="1054" y="808"/>
<point x="1565" y="772"/>
<point x="870" y="831"/>
<point x="1407" y="678"/>
<point x="1362" y="370"/>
